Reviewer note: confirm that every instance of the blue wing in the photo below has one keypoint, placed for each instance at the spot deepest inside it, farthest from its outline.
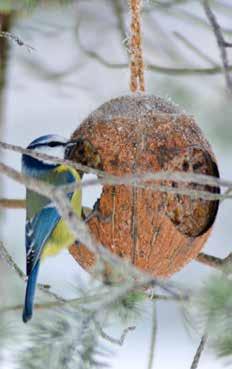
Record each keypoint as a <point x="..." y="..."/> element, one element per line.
<point x="38" y="230"/>
<point x="41" y="221"/>
<point x="42" y="218"/>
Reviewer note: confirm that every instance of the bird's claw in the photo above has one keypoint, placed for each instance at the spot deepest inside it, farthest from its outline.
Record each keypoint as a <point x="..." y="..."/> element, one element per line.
<point x="97" y="214"/>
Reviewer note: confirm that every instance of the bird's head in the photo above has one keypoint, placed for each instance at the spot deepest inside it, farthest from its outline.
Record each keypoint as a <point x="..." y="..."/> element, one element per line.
<point x="52" y="145"/>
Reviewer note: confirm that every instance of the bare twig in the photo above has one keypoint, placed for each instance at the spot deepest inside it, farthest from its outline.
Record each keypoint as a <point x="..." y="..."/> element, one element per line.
<point x="158" y="297"/>
<point x="168" y="4"/>
<point x="182" y="72"/>
<point x="222" y="45"/>
<point x="136" y="180"/>
<point x="215" y="262"/>
<point x="194" y="48"/>
<point x="9" y="260"/>
<point x="118" y="10"/>
<point x="153" y="337"/>
<point x="199" y="352"/>
<point x="16" y="39"/>
<point x="78" y="302"/>
<point x="116" y="341"/>
<point x="209" y="260"/>
<point x="4" y="254"/>
<point x="12" y="203"/>
<point x="173" y="71"/>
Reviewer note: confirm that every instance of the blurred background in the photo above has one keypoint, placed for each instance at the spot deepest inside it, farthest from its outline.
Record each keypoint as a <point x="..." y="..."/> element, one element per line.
<point x="74" y="59"/>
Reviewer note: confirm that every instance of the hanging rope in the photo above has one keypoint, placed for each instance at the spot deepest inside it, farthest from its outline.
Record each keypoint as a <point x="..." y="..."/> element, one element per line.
<point x="136" y="51"/>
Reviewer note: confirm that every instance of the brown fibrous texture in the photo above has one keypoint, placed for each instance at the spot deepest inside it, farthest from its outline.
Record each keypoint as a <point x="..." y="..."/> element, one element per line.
<point x="137" y="82"/>
<point x="158" y="232"/>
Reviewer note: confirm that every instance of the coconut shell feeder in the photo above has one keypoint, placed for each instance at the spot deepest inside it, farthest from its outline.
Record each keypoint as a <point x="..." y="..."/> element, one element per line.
<point x="158" y="231"/>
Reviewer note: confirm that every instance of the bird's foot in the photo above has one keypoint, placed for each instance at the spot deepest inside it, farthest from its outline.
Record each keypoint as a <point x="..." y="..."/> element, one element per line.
<point x="95" y="212"/>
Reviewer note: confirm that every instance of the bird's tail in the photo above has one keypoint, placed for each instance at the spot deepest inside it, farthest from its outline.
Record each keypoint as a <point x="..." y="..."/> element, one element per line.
<point x="30" y="293"/>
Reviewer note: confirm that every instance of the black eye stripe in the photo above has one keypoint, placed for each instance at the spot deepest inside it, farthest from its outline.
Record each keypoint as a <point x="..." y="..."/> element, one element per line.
<point x="49" y="144"/>
<point x="55" y="143"/>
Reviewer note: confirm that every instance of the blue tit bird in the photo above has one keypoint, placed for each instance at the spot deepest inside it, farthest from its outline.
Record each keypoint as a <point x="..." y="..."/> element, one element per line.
<point x="46" y="231"/>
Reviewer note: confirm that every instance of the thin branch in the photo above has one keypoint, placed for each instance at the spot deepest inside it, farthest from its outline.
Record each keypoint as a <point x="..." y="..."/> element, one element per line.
<point x="173" y="71"/>
<point x="87" y="301"/>
<point x="209" y="260"/>
<point x="9" y="260"/>
<point x="186" y="15"/>
<point x="12" y="203"/>
<point x="199" y="352"/>
<point x="222" y="45"/>
<point x="136" y="180"/>
<point x="153" y="337"/>
<point x="194" y="48"/>
<point x="187" y="71"/>
<point x="16" y="39"/>
<point x="40" y="155"/>
<point x="158" y="297"/>
<point x="78" y="302"/>
<point x="116" y="341"/>
<point x="44" y="72"/>
<point x="178" y="293"/>
<point x="221" y="264"/>
<point x="118" y="10"/>
<point x="168" y="4"/>
<point x="4" y="254"/>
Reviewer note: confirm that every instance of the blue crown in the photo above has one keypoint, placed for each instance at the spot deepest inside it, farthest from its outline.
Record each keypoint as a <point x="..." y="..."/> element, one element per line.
<point x="45" y="140"/>
<point x="32" y="165"/>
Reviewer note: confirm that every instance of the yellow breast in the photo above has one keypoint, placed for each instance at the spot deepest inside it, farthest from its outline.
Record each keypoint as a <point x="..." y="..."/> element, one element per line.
<point x="61" y="237"/>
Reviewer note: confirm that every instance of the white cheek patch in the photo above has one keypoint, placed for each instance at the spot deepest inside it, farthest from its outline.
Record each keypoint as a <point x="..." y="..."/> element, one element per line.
<point x="57" y="151"/>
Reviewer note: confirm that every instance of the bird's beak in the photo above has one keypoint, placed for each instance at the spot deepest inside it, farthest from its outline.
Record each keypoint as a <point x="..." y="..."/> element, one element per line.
<point x="69" y="147"/>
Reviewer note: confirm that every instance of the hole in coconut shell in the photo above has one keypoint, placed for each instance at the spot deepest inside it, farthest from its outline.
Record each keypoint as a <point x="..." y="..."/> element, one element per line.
<point x="192" y="217"/>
